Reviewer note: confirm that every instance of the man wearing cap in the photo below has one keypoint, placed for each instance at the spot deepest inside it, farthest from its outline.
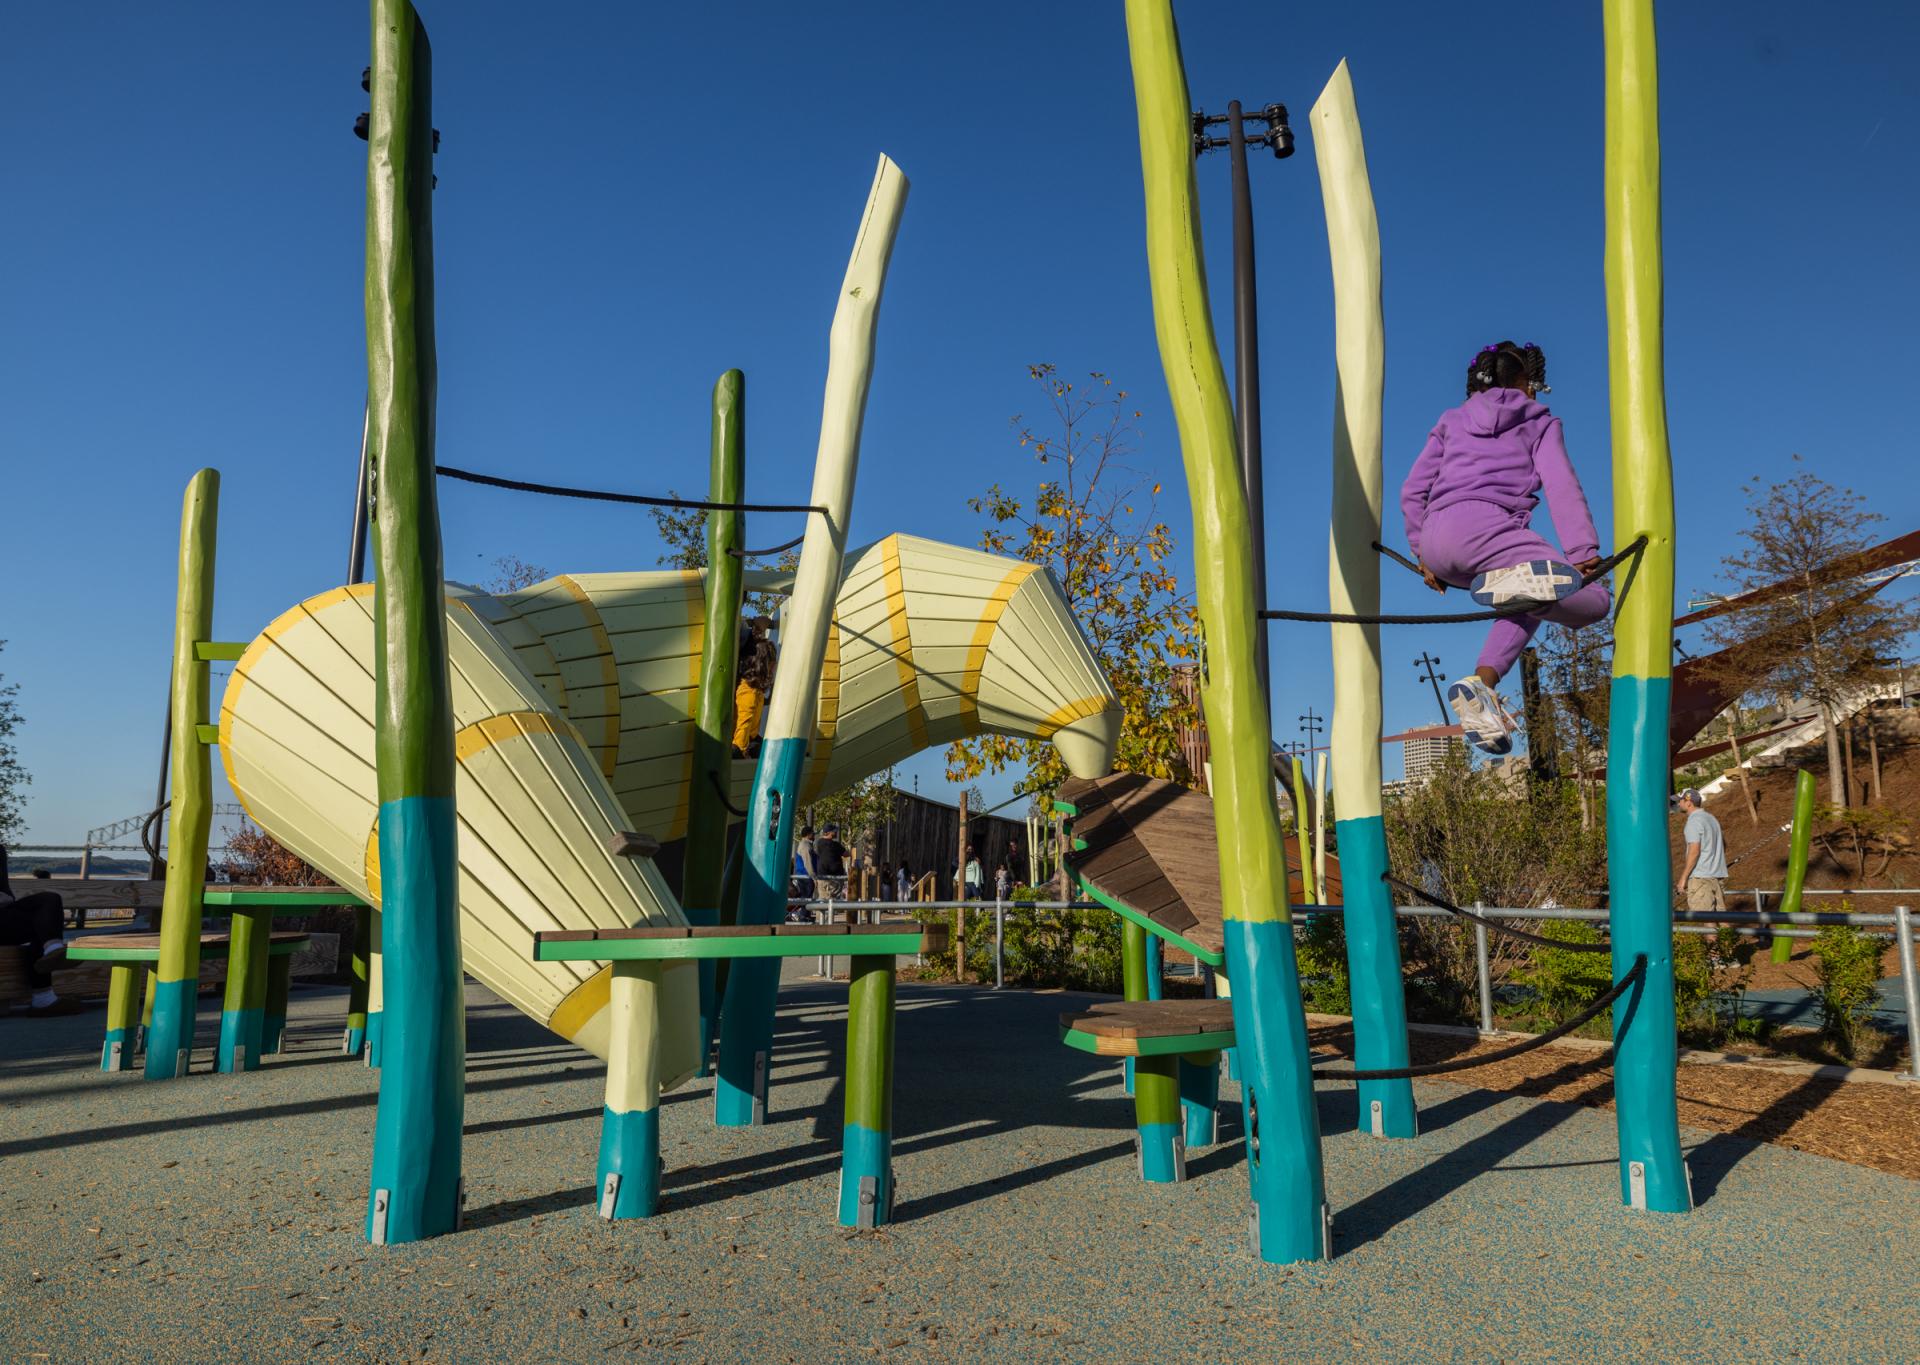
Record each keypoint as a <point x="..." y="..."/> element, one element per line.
<point x="1703" y="881"/>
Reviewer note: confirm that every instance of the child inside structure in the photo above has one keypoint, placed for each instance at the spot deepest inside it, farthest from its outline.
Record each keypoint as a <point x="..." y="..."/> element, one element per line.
<point x="1468" y="504"/>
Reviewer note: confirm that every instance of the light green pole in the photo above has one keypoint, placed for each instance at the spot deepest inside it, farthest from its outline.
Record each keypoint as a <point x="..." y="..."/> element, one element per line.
<point x="1797" y="849"/>
<point x="176" y="976"/>
<point x="417" y="1129"/>
<point x="1653" y="1174"/>
<point x="1290" y="1217"/>
<point x="706" y="847"/>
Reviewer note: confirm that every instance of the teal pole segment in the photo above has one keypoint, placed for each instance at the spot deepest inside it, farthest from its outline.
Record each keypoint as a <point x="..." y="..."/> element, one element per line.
<point x="243" y="1016"/>
<point x="1373" y="979"/>
<point x="630" y="1155"/>
<point x="1200" y="1097"/>
<point x="1156" y="1110"/>
<point x="415" y="1185"/>
<point x="1156" y="968"/>
<point x="354" y="1041"/>
<point x="866" y="1150"/>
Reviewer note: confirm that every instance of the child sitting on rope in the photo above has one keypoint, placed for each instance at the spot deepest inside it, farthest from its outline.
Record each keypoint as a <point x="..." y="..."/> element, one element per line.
<point x="1468" y="504"/>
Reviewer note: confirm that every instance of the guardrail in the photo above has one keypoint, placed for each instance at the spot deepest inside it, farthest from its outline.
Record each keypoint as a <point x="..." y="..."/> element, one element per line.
<point x="1898" y="924"/>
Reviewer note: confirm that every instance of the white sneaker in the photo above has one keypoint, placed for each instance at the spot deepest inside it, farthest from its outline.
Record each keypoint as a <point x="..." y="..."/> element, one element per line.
<point x="1481" y="715"/>
<point x="1538" y="580"/>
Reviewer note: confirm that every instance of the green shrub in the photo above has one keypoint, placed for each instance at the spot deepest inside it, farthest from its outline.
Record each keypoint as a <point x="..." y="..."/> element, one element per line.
<point x="1068" y="949"/>
<point x="1563" y="983"/>
<point x="1847" y="962"/>
<point x="1692" y="980"/>
<point x="1321" y="951"/>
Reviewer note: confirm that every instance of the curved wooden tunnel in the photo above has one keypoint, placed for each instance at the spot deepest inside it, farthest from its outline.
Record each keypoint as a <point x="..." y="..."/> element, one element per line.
<point x="573" y="702"/>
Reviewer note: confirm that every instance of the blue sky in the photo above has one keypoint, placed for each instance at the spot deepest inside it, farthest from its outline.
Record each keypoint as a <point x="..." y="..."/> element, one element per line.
<point x="634" y="200"/>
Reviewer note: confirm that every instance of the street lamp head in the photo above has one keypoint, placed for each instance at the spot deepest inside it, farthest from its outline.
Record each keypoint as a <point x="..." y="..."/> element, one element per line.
<point x="1279" y="135"/>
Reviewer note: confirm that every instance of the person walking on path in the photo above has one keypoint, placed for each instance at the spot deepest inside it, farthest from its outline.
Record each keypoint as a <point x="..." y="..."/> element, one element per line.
<point x="971" y="877"/>
<point x="1468" y="506"/>
<point x="1703" y="881"/>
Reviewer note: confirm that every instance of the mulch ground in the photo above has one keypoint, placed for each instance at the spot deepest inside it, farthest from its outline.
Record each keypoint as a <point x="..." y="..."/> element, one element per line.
<point x="1864" y="1123"/>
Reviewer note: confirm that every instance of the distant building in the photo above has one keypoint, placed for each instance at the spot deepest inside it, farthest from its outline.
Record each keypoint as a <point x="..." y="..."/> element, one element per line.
<point x="1427" y="751"/>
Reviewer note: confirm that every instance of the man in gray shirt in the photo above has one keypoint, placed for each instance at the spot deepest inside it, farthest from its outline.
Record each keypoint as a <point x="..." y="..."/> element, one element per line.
<point x="1703" y="881"/>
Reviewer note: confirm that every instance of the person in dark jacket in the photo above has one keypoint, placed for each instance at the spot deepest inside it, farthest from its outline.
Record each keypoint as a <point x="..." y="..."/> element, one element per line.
<point x="35" y="922"/>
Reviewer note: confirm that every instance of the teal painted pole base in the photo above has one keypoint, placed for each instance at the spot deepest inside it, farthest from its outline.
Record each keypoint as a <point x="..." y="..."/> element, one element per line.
<point x="116" y="1053"/>
<point x="353" y="1041"/>
<point x="1276" y="1086"/>
<point x="1199" y="1078"/>
<point x="1161" y="1135"/>
<point x="1156" y="985"/>
<point x="753" y="984"/>
<point x="242" y="1037"/>
<point x="170" y="1036"/>
<point x="1127" y="1070"/>
<point x="629" y="1174"/>
<point x="1653" y="1174"/>
<point x="415" y="1185"/>
<point x="709" y="998"/>
<point x="375" y="1027"/>
<point x="866" y="1178"/>
<point x="273" y="1032"/>
<point x="1375" y="980"/>
<point x="1230" y="1064"/>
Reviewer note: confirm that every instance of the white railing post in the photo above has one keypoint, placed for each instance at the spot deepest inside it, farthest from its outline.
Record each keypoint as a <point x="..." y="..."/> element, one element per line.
<point x="999" y="940"/>
<point x="1483" y="964"/>
<point x="1903" y="933"/>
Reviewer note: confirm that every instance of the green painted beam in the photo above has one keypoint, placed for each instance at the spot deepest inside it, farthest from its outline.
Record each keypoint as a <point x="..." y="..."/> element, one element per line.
<point x="300" y="901"/>
<point x="705" y="949"/>
<point x="1182" y="1044"/>
<point x="83" y="952"/>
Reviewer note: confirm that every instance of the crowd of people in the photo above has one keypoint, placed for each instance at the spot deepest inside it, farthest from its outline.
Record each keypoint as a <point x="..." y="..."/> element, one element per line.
<point x="825" y="868"/>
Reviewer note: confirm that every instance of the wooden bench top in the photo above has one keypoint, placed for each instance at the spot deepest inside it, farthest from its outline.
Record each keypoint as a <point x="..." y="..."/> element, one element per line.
<point x="1145" y="1028"/>
<point x="681" y="941"/>
<point x="146" y="947"/>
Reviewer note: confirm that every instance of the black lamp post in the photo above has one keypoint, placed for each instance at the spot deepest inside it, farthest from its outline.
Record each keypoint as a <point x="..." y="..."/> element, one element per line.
<point x="1432" y="675"/>
<point x="1311" y="726"/>
<point x="1246" y="326"/>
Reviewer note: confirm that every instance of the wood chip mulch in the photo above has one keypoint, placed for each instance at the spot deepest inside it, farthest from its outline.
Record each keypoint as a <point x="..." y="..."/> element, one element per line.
<point x="1864" y="1123"/>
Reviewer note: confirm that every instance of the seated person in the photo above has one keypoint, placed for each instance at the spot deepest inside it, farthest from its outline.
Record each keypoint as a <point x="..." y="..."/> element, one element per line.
<point x="36" y="922"/>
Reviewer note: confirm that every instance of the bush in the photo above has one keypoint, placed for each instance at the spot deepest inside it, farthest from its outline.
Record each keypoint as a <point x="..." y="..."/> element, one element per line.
<point x="1321" y="951"/>
<point x="1068" y="949"/>
<point x="1563" y="983"/>
<point x="1847" y="962"/>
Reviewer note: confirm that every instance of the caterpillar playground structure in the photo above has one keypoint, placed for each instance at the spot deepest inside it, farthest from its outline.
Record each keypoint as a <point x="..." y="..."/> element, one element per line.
<point x="493" y="772"/>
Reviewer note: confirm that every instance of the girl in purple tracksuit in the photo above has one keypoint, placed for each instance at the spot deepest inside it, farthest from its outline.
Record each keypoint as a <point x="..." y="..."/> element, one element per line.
<point x="1468" y="504"/>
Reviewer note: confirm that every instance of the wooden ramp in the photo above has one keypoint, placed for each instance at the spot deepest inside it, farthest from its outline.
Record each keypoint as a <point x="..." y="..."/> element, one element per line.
<point x="1146" y="847"/>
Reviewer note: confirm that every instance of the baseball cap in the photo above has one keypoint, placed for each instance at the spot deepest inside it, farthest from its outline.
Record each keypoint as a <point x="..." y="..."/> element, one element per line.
<point x="1687" y="794"/>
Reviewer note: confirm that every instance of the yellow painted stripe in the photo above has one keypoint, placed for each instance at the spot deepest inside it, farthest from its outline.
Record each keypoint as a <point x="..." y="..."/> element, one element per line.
<point x="484" y="734"/>
<point x="983" y="638"/>
<point x="696" y="592"/>
<point x="581" y="1004"/>
<point x="370" y="864"/>
<point x="609" y="748"/>
<point x="903" y="644"/>
<point x="1072" y="711"/>
<point x="826" y="715"/>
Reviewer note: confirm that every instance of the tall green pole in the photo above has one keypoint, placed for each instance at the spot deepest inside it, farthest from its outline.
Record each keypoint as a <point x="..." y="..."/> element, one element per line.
<point x="1301" y="822"/>
<point x="177" y="974"/>
<point x="1653" y="1174"/>
<point x="1283" y="1128"/>
<point x="1797" y="849"/>
<point x="706" y="848"/>
<point x="1386" y="1108"/>
<point x="416" y="1135"/>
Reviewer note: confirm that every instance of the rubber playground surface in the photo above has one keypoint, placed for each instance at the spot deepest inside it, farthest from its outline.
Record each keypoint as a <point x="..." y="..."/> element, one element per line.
<point x="219" y="1219"/>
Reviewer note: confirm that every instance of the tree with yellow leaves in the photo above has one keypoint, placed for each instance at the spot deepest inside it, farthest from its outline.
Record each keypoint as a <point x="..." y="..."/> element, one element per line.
<point x="1092" y="524"/>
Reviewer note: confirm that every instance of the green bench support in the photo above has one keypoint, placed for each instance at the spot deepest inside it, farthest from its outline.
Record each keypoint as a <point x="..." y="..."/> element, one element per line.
<point x="630" y="1167"/>
<point x="1175" y="1046"/>
<point x="250" y="1025"/>
<point x="130" y="956"/>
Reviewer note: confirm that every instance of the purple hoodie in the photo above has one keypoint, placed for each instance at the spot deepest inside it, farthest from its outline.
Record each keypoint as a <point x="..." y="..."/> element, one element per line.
<point x="1499" y="447"/>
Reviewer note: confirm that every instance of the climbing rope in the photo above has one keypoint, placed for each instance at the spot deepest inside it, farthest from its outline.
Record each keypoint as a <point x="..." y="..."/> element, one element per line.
<point x="732" y="809"/>
<point x="1403" y="1073"/>
<point x="773" y="550"/>
<point x="1601" y="570"/>
<point x="595" y="495"/>
<point x="1494" y="925"/>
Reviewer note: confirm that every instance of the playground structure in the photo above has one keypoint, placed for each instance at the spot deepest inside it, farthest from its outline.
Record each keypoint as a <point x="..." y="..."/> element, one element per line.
<point x="492" y="772"/>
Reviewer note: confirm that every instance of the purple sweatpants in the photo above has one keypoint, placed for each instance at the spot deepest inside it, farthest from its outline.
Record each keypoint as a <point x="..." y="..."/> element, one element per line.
<point x="1468" y="538"/>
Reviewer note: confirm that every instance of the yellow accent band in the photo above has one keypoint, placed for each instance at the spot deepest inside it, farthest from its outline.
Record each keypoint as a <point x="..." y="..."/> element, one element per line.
<point x="1072" y="711"/>
<point x="826" y="717"/>
<point x="903" y="644"/>
<point x="610" y="675"/>
<point x="370" y="864"/>
<point x="983" y="638"/>
<point x="513" y="725"/>
<point x="582" y="1003"/>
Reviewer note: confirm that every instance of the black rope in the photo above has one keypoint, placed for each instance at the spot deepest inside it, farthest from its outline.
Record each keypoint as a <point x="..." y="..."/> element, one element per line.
<point x="761" y="554"/>
<point x="1394" y="554"/>
<point x="1495" y="925"/>
<point x="1344" y="618"/>
<point x="732" y="809"/>
<point x="594" y="495"/>
<point x="1406" y="1073"/>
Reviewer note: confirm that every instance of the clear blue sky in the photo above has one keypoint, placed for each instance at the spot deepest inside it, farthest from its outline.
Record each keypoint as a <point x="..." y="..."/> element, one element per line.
<point x="637" y="198"/>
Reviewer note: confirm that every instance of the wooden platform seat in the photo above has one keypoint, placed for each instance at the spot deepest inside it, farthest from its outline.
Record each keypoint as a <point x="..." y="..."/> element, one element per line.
<point x="129" y="956"/>
<point x="630" y="1167"/>
<point x="1175" y="1046"/>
